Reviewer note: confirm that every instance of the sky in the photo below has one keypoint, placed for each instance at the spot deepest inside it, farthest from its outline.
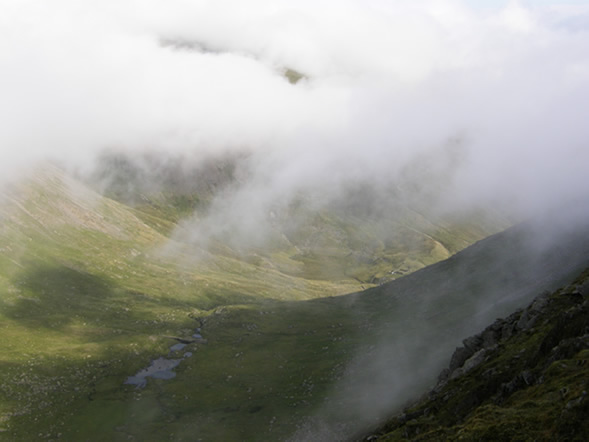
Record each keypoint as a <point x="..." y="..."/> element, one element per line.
<point x="387" y="83"/>
<point x="527" y="3"/>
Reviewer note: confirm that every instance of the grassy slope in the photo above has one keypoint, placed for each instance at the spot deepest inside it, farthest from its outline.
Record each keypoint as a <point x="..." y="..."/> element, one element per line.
<point x="86" y="291"/>
<point x="364" y="236"/>
<point x="88" y="297"/>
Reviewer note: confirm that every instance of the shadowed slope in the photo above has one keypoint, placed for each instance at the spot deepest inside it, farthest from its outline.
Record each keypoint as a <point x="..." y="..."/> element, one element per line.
<point x="523" y="377"/>
<point x="415" y="322"/>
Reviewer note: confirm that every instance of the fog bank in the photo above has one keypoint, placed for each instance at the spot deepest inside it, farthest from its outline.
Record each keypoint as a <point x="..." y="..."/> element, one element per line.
<point x="385" y="84"/>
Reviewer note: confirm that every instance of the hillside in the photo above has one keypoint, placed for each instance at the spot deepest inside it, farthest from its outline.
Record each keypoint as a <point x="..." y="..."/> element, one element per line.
<point x="416" y="322"/>
<point x="93" y="291"/>
<point x="522" y="378"/>
<point x="361" y="234"/>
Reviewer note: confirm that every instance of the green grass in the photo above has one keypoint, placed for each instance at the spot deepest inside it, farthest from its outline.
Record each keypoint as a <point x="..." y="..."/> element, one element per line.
<point x="88" y="297"/>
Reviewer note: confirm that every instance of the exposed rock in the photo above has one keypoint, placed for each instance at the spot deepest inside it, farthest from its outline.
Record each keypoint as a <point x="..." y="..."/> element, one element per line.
<point x="534" y="349"/>
<point x="470" y="363"/>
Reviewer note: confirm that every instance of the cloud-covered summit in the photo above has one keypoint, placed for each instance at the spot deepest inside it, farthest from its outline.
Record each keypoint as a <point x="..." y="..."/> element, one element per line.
<point x="385" y="84"/>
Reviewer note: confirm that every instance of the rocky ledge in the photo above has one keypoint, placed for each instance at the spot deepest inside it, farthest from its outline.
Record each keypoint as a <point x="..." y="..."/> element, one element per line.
<point x="525" y="377"/>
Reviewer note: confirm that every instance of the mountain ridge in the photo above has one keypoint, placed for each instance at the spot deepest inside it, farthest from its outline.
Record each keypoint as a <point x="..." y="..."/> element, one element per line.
<point x="522" y="377"/>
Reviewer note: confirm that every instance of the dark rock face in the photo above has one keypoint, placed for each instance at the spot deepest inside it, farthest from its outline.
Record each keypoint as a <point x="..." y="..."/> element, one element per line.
<point x="527" y="373"/>
<point x="463" y="359"/>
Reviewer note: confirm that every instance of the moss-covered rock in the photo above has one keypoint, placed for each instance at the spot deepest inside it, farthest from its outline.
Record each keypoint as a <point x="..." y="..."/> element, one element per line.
<point x="522" y="378"/>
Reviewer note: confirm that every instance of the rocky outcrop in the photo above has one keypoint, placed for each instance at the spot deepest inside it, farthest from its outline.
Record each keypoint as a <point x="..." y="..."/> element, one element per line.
<point x="477" y="348"/>
<point x="525" y="374"/>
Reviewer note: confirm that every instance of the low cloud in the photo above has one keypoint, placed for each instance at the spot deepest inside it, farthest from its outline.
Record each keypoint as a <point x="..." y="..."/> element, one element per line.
<point x="385" y="83"/>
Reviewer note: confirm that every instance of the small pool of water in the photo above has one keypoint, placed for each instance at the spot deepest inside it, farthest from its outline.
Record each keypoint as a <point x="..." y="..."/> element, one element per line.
<point x="177" y="347"/>
<point x="162" y="368"/>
